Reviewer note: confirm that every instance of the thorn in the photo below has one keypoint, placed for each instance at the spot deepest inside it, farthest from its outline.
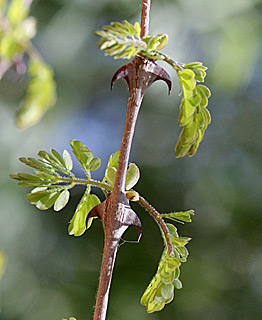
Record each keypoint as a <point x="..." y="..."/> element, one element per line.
<point x="97" y="211"/>
<point x="157" y="73"/>
<point x="132" y="219"/>
<point x="163" y="75"/>
<point x="121" y="73"/>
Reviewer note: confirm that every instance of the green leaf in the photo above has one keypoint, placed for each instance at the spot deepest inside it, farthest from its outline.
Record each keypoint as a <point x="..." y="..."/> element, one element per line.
<point x="47" y="201"/>
<point x="178" y="284"/>
<point x="110" y="175"/>
<point x="138" y="29"/>
<point x="206" y="115"/>
<point x="94" y="164"/>
<point x="186" y="112"/>
<point x="35" y="196"/>
<point x="40" y="95"/>
<point x="46" y="177"/>
<point x="186" y="75"/>
<point x="147" y="38"/>
<point x="130" y="28"/>
<point x="172" y="229"/>
<point x="58" y="158"/>
<point x="85" y="156"/>
<point x="23" y="176"/>
<point x="180" y="242"/>
<point x="198" y="69"/>
<point x="68" y="160"/>
<point x="78" y="225"/>
<point x="18" y="10"/>
<point x="184" y="216"/>
<point x="62" y="200"/>
<point x="132" y="176"/>
<point x="31" y="162"/>
<point x="2" y="263"/>
<point x="157" y="42"/>
<point x="113" y="160"/>
<point x="121" y="40"/>
<point x="167" y="291"/>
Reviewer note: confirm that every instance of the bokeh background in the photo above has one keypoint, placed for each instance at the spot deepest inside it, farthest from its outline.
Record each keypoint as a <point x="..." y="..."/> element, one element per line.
<point x="50" y="274"/>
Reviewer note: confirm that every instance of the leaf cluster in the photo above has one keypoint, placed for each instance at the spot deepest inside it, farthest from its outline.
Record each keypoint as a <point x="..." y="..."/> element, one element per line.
<point x="52" y="182"/>
<point x="194" y="116"/>
<point x="122" y="40"/>
<point x="161" y="288"/>
<point x="17" y="29"/>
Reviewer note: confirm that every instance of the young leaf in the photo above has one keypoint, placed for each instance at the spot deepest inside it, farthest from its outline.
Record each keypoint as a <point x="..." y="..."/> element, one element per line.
<point x="85" y="156"/>
<point x="113" y="160"/>
<point x="121" y="40"/>
<point x="181" y="216"/>
<point x="68" y="160"/>
<point x="62" y="200"/>
<point x="18" y="10"/>
<point x="94" y="164"/>
<point x="110" y="175"/>
<point x="47" y="201"/>
<point x="31" y="162"/>
<point x="58" y="158"/>
<point x="40" y="96"/>
<point x="78" y="225"/>
<point x="35" y="196"/>
<point x="132" y="176"/>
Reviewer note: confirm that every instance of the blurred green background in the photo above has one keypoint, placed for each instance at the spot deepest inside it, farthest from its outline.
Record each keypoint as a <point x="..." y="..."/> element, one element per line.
<point x="50" y="274"/>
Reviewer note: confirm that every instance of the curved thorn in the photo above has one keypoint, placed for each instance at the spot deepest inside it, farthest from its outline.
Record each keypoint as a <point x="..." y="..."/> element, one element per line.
<point x="163" y="75"/>
<point x="131" y="219"/>
<point x="97" y="211"/>
<point x="120" y="73"/>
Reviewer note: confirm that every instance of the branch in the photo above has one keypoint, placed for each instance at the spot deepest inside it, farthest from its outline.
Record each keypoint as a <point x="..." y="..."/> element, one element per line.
<point x="160" y="223"/>
<point x="145" y="17"/>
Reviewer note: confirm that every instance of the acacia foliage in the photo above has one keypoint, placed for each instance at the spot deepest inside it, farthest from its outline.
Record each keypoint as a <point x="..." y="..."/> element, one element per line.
<point x="52" y="181"/>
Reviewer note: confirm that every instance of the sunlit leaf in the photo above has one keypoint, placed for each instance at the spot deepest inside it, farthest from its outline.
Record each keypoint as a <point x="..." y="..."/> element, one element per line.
<point x="113" y="160"/>
<point x="35" y="196"/>
<point x="47" y="201"/>
<point x="78" y="225"/>
<point x="121" y="40"/>
<point x="62" y="200"/>
<point x="178" y="284"/>
<point x="85" y="156"/>
<point x="58" y="158"/>
<point x="110" y="175"/>
<point x="18" y="10"/>
<point x="40" y="95"/>
<point x="132" y="176"/>
<point x="184" y="216"/>
<point x="167" y="291"/>
<point x="94" y="164"/>
<point x="68" y="160"/>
